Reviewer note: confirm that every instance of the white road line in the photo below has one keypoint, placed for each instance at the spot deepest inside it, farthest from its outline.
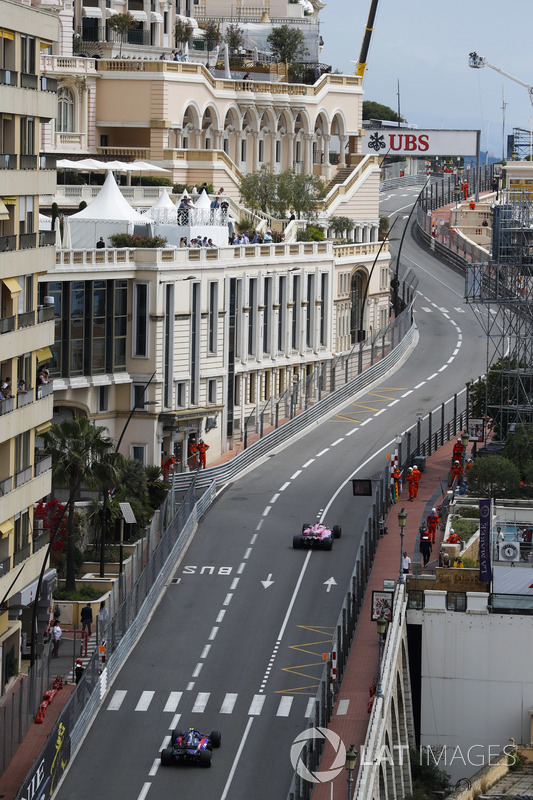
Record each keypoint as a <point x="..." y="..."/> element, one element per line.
<point x="336" y="442"/>
<point x="240" y="568"/>
<point x="190" y="686"/>
<point x="200" y="702"/>
<point x="234" y="584"/>
<point x="247" y="553"/>
<point x="406" y="394"/>
<point x="426" y="309"/>
<point x="455" y="351"/>
<point x="298" y="472"/>
<point x="366" y="421"/>
<point x="253" y="539"/>
<point x="308" y="463"/>
<point x="174" y="724"/>
<point x="274" y="499"/>
<point x="393" y="403"/>
<point x="258" y="526"/>
<point x="257" y="703"/>
<point x="205" y="651"/>
<point x="144" y="791"/>
<point x="236" y="759"/>
<point x="172" y="702"/>
<point x="294" y="595"/>
<point x="325" y="450"/>
<point x="228" y="704"/>
<point x="382" y="410"/>
<point x="285" y="485"/>
<point x="309" y="707"/>
<point x="197" y="669"/>
<point x="352" y="431"/>
<point x="432" y="376"/>
<point x="266" y="511"/>
<point x="343" y="707"/>
<point x="117" y="700"/>
<point x="155" y="765"/>
<point x="227" y="599"/>
<point x="213" y="633"/>
<point x="418" y="385"/>
<point x="443" y="368"/>
<point x="144" y="701"/>
<point x="220" y="617"/>
<point x="284" y="707"/>
<point x="451" y="358"/>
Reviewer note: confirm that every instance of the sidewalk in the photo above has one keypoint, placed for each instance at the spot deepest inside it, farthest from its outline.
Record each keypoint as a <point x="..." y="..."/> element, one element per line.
<point x="362" y="666"/>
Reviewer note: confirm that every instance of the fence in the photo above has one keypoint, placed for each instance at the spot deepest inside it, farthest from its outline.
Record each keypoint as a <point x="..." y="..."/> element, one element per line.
<point x="428" y="433"/>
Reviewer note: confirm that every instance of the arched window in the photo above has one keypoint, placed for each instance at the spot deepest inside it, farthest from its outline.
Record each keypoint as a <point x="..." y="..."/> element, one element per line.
<point x="65" y="110"/>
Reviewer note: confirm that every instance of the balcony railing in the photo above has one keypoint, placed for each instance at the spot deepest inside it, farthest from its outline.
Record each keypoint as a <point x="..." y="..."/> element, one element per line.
<point x="28" y="161"/>
<point x="9" y="77"/>
<point x="45" y="314"/>
<point x="6" y="405"/>
<point x="26" y="319"/>
<point x="27" y="240"/>
<point x="21" y="555"/>
<point x="5" y="566"/>
<point x="29" y="81"/>
<point x="24" y="399"/>
<point x="48" y="84"/>
<point x="43" y="465"/>
<point x="8" y="243"/>
<point x="6" y="486"/>
<point x="8" y="160"/>
<point x="41" y="541"/>
<point x="47" y="238"/>
<point x="47" y="162"/>
<point x="23" y="476"/>
<point x="7" y="324"/>
<point x="44" y="390"/>
<point x="103" y="34"/>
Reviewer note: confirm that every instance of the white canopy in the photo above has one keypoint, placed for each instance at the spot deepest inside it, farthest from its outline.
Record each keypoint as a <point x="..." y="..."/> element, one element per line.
<point x="108" y="213"/>
<point x="203" y="201"/>
<point x="45" y="223"/>
<point x="162" y="208"/>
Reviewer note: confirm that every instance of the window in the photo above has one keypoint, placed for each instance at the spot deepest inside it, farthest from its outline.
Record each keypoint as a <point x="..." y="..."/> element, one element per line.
<point x="261" y="155"/>
<point x="212" y="390"/>
<point x="243" y="150"/>
<point x="456" y="601"/>
<point x="212" y="318"/>
<point x="139" y="396"/>
<point x="103" y="398"/>
<point x="252" y="315"/>
<point x="415" y="599"/>
<point x="267" y="315"/>
<point x="384" y="278"/>
<point x="27" y="136"/>
<point x="138" y="452"/>
<point x="278" y="152"/>
<point x="140" y="316"/>
<point x="27" y="54"/>
<point x="120" y="325"/>
<point x="77" y="320"/>
<point x="324" y="286"/>
<point x="282" y="313"/>
<point x="65" y="110"/>
<point x="310" y="316"/>
<point x="181" y="394"/>
<point x="26" y="216"/>
<point x="296" y="299"/>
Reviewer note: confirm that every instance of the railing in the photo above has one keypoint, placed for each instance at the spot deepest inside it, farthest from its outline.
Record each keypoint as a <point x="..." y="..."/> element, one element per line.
<point x="47" y="238"/>
<point x="45" y="313"/>
<point x="48" y="162"/>
<point x="27" y="240"/>
<point x="21" y="555"/>
<point x="25" y="398"/>
<point x="5" y="566"/>
<point x="7" y="405"/>
<point x="48" y="84"/>
<point x="41" y="541"/>
<point x="43" y="465"/>
<point x="104" y="34"/>
<point x="7" y="324"/>
<point x="29" y="81"/>
<point x="9" y="77"/>
<point x="8" y="161"/>
<point x="8" y="243"/>
<point x="28" y="161"/>
<point x="26" y="319"/>
<point x="44" y="390"/>
<point x="6" y="485"/>
<point x="67" y="64"/>
<point x="23" y="477"/>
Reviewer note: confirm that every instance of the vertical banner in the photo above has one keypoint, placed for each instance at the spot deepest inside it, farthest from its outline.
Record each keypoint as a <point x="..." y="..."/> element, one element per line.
<point x="485" y="572"/>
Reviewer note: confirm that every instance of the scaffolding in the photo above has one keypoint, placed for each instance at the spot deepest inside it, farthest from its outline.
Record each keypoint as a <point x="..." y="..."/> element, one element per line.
<point x="502" y="290"/>
<point x="520" y="141"/>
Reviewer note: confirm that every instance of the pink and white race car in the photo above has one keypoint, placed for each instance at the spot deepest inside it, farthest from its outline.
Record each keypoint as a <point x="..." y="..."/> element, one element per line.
<point x="317" y="535"/>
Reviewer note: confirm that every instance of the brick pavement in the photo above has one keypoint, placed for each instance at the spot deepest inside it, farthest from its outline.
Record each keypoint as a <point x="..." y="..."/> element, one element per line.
<point x="362" y="666"/>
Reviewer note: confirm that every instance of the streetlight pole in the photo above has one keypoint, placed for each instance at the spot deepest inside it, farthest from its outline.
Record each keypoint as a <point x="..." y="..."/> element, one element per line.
<point x="402" y="519"/>
<point x="456" y="195"/>
<point x="351" y="758"/>
<point x="382" y="623"/>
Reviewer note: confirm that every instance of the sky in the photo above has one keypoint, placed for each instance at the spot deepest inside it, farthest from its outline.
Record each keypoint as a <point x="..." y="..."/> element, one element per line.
<point x="425" y="46"/>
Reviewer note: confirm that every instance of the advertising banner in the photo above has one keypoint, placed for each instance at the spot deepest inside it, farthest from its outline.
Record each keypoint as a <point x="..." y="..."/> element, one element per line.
<point x="485" y="573"/>
<point x="413" y="142"/>
<point x="513" y="580"/>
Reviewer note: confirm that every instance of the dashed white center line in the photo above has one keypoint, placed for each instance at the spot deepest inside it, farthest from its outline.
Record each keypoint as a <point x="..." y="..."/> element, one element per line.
<point x="254" y="537"/>
<point x="298" y="472"/>
<point x="406" y="394"/>
<point x="144" y="701"/>
<point x="432" y="376"/>
<point x="366" y="421"/>
<point x="172" y="702"/>
<point x="234" y="584"/>
<point x="443" y="368"/>
<point x="309" y="707"/>
<point x="381" y="411"/>
<point x="144" y="791"/>
<point x="197" y="670"/>
<point x="174" y="724"/>
<point x="325" y="450"/>
<point x="258" y="526"/>
<point x="213" y="633"/>
<point x="247" y="553"/>
<point x="451" y="358"/>
<point x="219" y="618"/>
<point x="190" y="686"/>
<point x="266" y="511"/>
<point x="285" y="485"/>
<point x="155" y="765"/>
<point x="274" y="499"/>
<point x="418" y="385"/>
<point x="227" y="600"/>
<point x="352" y="431"/>
<point x="338" y="441"/>
<point x="393" y="403"/>
<point x="240" y="568"/>
<point x="205" y="651"/>
<point x="308" y="463"/>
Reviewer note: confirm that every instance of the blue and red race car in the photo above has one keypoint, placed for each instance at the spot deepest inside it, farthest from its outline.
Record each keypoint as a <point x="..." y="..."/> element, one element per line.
<point x="191" y="747"/>
<point x="317" y="535"/>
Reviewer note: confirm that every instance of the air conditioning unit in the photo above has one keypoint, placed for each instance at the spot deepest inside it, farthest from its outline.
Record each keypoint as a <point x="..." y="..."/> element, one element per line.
<point x="509" y="551"/>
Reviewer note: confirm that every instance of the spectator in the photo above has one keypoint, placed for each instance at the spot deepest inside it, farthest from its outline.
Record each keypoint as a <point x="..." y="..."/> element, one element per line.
<point x="57" y="633"/>
<point x="102" y="618"/>
<point x="100" y="243"/>
<point x="87" y="618"/>
<point x="406" y="563"/>
<point x="21" y="386"/>
<point x="267" y="238"/>
<point x="79" y="670"/>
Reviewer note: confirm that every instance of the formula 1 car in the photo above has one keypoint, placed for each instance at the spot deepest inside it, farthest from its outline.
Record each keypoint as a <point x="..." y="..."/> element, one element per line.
<point x="192" y="747"/>
<point x="317" y="535"/>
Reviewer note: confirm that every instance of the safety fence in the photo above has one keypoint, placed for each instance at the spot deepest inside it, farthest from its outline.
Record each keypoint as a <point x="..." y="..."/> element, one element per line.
<point x="431" y="431"/>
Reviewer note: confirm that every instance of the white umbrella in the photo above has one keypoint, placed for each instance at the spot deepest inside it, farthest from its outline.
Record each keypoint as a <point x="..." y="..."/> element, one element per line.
<point x="144" y="166"/>
<point x="67" y="238"/>
<point x="58" y="232"/>
<point x="227" y="71"/>
<point x="66" y="163"/>
<point x="91" y="164"/>
<point x="121" y="166"/>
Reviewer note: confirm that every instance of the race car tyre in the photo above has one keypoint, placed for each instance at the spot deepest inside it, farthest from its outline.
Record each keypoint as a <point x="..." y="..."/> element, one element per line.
<point x="176" y="734"/>
<point x="166" y="757"/>
<point x="296" y="542"/>
<point x="204" y="759"/>
<point x="327" y="544"/>
<point x="305" y="526"/>
<point x="215" y="738"/>
<point x="337" y="530"/>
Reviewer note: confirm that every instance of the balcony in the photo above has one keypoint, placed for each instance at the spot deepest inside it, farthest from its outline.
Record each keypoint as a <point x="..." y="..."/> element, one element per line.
<point x="29" y="161"/>
<point x="21" y="555"/>
<point x="47" y="162"/>
<point x="68" y="65"/>
<point x="8" y="161"/>
<point x="9" y="77"/>
<point x="48" y="84"/>
<point x="27" y="240"/>
<point x="102" y="34"/>
<point x="29" y="81"/>
<point x="26" y="319"/>
<point x="8" y="243"/>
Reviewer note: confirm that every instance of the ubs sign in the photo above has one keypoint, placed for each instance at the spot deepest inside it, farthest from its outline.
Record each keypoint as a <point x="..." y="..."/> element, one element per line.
<point x="412" y="142"/>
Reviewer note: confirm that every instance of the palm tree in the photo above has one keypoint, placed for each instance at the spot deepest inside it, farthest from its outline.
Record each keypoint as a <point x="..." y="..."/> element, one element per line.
<point x="81" y="453"/>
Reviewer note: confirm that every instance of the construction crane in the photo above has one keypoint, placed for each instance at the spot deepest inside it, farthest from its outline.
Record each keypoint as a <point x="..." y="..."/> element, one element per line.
<point x="477" y="62"/>
<point x="361" y="64"/>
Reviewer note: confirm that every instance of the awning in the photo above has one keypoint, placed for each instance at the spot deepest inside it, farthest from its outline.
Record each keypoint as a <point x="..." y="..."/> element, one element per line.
<point x="7" y="34"/>
<point x="155" y="17"/>
<point x="4" y="213"/>
<point x="140" y="16"/>
<point x="44" y="354"/>
<point x="45" y="45"/>
<point x="91" y="12"/>
<point x="110" y="12"/>
<point x="6" y="527"/>
<point x="40" y="429"/>
<point x="12" y="285"/>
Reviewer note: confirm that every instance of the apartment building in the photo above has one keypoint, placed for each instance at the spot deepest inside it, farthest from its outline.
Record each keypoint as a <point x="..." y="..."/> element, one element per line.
<point x="27" y="99"/>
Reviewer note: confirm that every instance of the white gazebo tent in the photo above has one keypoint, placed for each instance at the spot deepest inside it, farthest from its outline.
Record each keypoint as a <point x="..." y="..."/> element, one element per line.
<point x="163" y="210"/>
<point x="108" y="213"/>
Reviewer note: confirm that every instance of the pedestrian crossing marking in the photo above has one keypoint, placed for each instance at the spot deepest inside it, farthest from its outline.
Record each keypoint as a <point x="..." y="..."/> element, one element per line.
<point x="284" y="707"/>
<point x="310" y="706"/>
<point x="200" y="702"/>
<point x="228" y="704"/>
<point x="144" y="701"/>
<point x="172" y="702"/>
<point x="117" y="700"/>
<point x="256" y="705"/>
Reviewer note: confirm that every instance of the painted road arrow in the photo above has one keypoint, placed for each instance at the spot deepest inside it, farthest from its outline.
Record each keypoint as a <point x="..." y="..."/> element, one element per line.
<point x="268" y="581"/>
<point x="329" y="583"/>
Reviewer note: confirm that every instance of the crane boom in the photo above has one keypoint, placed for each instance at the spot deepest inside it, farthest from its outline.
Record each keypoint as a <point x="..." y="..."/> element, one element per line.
<point x="477" y="62"/>
<point x="363" y="55"/>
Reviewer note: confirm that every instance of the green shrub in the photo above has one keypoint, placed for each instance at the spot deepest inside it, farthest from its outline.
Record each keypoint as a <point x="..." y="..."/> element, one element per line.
<point x="468" y="512"/>
<point x="470" y="563"/>
<point x="150" y="180"/>
<point x="83" y="592"/>
<point x="465" y="528"/>
<point x="128" y="240"/>
<point x="311" y="234"/>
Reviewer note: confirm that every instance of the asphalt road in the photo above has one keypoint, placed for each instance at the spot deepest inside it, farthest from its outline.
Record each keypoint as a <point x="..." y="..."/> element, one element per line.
<point x="236" y="641"/>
